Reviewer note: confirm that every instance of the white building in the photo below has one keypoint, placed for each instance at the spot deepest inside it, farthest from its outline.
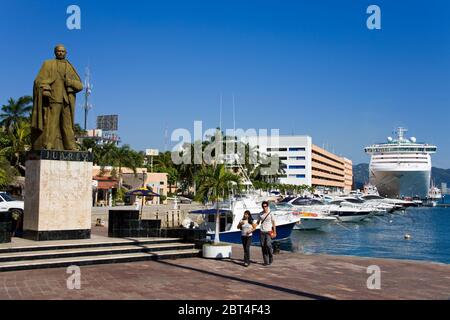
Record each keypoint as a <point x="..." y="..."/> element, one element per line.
<point x="294" y="152"/>
<point x="305" y="163"/>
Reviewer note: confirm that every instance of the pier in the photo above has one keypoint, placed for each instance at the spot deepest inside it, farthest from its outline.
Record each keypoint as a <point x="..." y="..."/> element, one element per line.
<point x="292" y="276"/>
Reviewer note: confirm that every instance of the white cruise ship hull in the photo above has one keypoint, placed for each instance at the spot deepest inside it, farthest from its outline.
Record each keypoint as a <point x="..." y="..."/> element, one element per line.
<point x="399" y="184"/>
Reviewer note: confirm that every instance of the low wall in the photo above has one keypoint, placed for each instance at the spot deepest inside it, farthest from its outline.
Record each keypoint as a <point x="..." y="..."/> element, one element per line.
<point x="169" y="217"/>
<point x="5" y="227"/>
<point x="126" y="224"/>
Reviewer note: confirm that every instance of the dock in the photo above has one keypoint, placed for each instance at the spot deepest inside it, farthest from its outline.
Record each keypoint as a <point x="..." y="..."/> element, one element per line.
<point x="292" y="276"/>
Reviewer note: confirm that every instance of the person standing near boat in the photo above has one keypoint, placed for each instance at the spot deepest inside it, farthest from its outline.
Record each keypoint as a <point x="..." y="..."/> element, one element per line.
<point x="247" y="226"/>
<point x="268" y="232"/>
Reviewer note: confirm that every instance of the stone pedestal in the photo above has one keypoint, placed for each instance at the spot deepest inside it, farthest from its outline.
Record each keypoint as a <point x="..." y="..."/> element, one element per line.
<point x="58" y="195"/>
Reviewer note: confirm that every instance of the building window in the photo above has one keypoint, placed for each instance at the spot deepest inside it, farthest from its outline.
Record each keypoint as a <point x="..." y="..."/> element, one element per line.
<point x="161" y="183"/>
<point x="298" y="176"/>
<point x="276" y="149"/>
<point x="297" y="167"/>
<point x="297" y="149"/>
<point x="297" y="158"/>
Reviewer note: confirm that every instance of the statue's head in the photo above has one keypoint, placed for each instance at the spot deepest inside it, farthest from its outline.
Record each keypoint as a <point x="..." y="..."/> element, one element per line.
<point x="60" y="52"/>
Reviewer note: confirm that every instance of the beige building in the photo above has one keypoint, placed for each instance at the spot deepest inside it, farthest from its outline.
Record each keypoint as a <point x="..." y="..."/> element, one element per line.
<point x="348" y="165"/>
<point x="330" y="170"/>
<point x="105" y="186"/>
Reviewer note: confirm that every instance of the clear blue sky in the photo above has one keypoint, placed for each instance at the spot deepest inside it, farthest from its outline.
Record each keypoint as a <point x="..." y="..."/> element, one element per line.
<point x="306" y="67"/>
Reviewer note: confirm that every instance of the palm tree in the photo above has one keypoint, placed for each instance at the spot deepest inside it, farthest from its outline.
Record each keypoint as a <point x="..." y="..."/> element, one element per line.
<point x="16" y="111"/>
<point x="78" y="131"/>
<point x="216" y="182"/>
<point x="106" y="155"/>
<point x="19" y="143"/>
<point x="7" y="173"/>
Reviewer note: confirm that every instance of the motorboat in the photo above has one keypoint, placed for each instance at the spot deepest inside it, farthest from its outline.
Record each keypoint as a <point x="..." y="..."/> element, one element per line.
<point x="345" y="212"/>
<point x="313" y="221"/>
<point x="397" y="203"/>
<point x="231" y="213"/>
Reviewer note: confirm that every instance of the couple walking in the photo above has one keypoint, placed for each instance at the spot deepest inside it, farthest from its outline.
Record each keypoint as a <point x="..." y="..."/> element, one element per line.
<point x="267" y="233"/>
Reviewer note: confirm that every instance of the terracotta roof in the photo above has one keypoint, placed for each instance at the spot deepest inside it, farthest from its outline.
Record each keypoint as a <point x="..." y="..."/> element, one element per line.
<point x="106" y="183"/>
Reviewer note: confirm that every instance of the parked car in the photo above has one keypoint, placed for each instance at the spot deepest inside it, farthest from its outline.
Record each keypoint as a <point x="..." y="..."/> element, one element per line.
<point x="7" y="203"/>
<point x="184" y="200"/>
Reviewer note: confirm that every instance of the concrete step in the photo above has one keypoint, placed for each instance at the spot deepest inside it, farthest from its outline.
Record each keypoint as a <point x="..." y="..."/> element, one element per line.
<point x="98" y="259"/>
<point x="93" y="251"/>
<point x="78" y="244"/>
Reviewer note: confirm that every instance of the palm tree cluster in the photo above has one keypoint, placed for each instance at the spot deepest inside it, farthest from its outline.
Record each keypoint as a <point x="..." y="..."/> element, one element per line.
<point x="14" y="136"/>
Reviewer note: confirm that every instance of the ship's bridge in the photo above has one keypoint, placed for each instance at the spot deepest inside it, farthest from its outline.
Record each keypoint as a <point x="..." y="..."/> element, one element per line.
<point x="401" y="145"/>
<point x="403" y="148"/>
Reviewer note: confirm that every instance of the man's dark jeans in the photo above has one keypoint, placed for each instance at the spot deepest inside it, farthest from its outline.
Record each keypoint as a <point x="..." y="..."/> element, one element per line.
<point x="266" y="246"/>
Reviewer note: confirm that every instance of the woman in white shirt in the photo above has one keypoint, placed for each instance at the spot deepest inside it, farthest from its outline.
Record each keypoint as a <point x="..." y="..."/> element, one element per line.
<point x="247" y="226"/>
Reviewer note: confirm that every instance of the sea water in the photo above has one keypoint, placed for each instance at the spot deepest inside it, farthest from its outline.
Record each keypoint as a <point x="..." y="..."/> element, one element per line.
<point x="382" y="237"/>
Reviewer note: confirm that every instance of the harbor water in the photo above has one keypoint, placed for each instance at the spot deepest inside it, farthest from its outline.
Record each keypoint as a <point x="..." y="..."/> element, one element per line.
<point x="382" y="237"/>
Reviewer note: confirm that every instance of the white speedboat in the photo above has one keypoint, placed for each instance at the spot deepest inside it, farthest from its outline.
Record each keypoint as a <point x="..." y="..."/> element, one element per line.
<point x="378" y="209"/>
<point x="397" y="203"/>
<point x="313" y="221"/>
<point x="343" y="211"/>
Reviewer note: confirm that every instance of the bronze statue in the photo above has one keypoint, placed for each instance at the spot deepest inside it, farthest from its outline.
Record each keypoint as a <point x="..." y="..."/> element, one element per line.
<point x="53" y="116"/>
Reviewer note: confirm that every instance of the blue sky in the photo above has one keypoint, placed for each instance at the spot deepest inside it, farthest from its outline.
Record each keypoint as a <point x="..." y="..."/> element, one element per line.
<point x="305" y="67"/>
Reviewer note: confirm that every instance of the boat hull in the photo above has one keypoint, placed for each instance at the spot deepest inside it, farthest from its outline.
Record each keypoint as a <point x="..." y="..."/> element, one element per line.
<point x="350" y="217"/>
<point x="312" y="223"/>
<point x="283" y="232"/>
<point x="399" y="184"/>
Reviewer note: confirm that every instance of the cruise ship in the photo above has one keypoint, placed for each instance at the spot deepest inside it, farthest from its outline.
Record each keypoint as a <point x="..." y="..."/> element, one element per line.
<point x="401" y="167"/>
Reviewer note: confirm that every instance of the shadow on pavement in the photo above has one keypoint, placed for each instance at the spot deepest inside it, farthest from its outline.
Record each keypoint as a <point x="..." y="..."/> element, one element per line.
<point x="251" y="282"/>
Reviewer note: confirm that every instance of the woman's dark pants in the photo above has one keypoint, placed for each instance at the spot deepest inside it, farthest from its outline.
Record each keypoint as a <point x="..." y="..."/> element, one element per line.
<point x="246" y="242"/>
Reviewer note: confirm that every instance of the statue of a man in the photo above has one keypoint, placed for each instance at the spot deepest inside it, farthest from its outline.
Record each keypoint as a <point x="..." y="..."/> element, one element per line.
<point x="52" y="119"/>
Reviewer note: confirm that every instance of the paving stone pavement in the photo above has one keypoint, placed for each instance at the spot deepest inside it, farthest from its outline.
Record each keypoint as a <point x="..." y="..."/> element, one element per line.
<point x="291" y="276"/>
